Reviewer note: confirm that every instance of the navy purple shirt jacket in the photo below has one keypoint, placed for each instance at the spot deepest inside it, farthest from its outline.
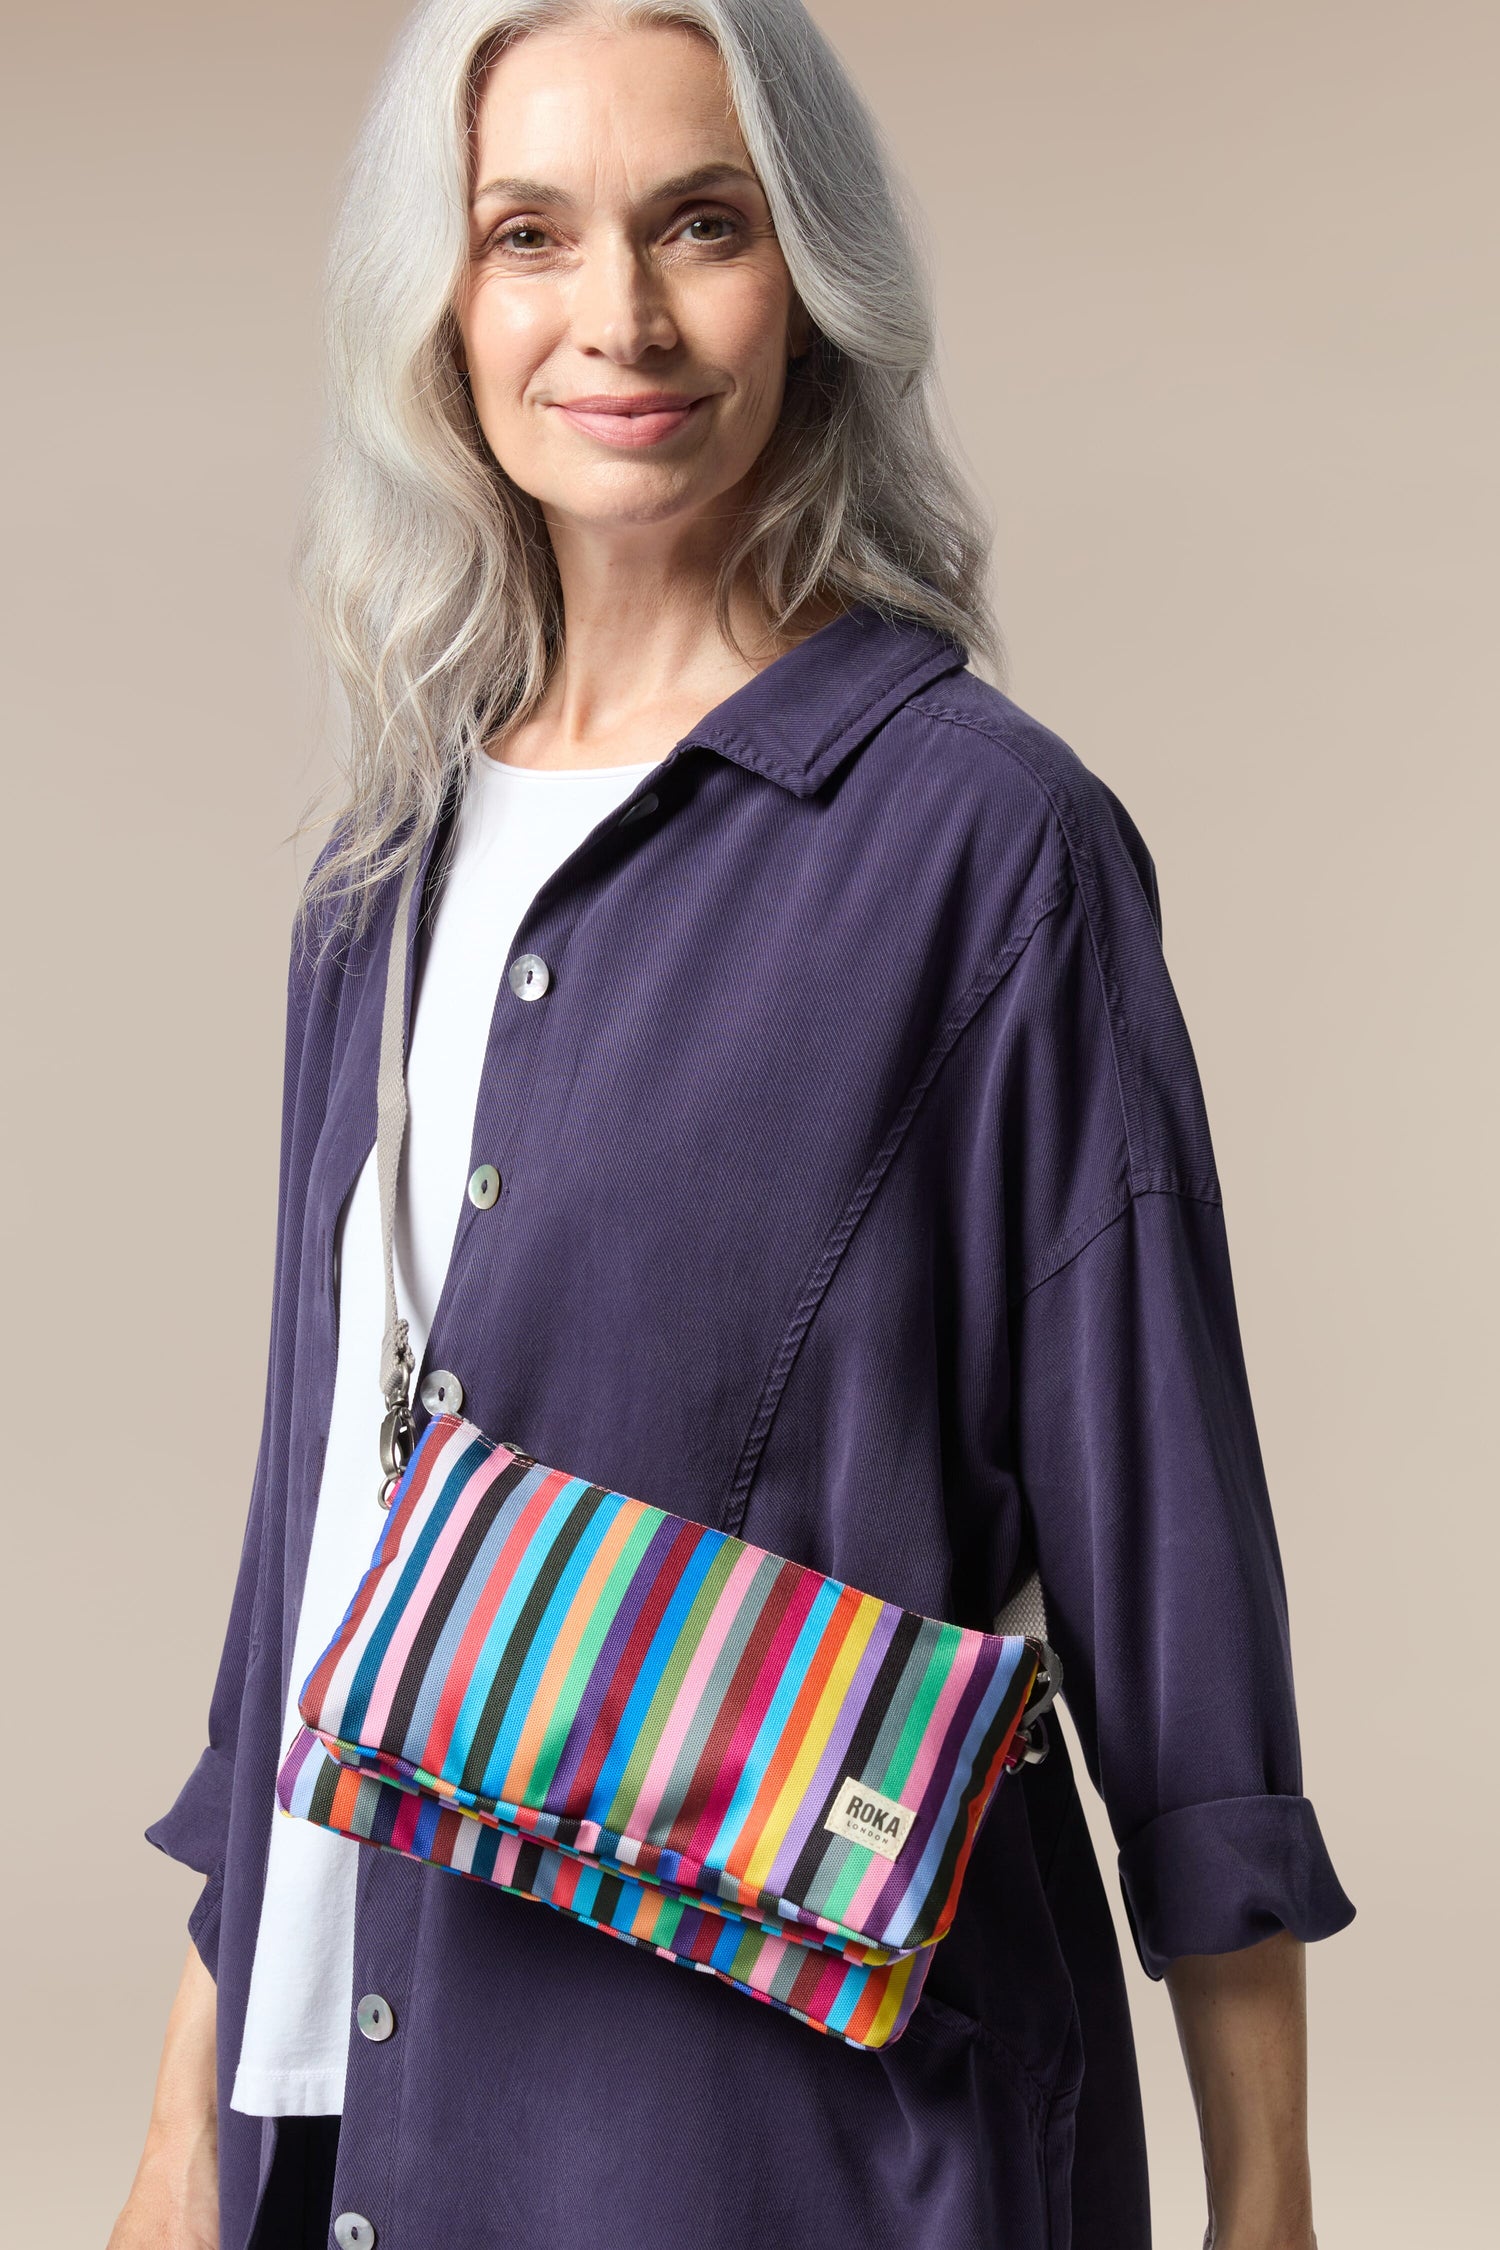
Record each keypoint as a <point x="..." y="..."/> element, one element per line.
<point x="858" y="1199"/>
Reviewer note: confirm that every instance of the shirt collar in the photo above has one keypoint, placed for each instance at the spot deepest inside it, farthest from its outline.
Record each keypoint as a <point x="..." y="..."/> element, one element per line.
<point x="808" y="709"/>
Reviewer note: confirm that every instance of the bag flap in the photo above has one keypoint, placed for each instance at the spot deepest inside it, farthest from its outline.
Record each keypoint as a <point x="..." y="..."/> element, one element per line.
<point x="648" y="1692"/>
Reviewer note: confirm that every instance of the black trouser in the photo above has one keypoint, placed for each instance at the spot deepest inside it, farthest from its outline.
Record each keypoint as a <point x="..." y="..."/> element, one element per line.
<point x="296" y="2211"/>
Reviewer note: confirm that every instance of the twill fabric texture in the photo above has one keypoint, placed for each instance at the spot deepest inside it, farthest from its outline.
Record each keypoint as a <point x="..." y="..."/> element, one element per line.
<point x="856" y="1196"/>
<point x="513" y="827"/>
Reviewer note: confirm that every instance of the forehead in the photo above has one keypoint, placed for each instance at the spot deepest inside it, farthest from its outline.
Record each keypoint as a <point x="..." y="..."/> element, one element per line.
<point x="645" y="99"/>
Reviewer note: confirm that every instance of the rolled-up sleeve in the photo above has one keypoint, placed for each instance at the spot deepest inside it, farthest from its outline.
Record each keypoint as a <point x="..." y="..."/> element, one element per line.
<point x="1139" y="1460"/>
<point x="1130" y="1433"/>
<point x="195" y="1827"/>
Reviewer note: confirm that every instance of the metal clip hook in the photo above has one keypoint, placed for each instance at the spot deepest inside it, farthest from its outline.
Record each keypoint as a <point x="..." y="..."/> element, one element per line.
<point x="1032" y="1732"/>
<point x="398" y="1437"/>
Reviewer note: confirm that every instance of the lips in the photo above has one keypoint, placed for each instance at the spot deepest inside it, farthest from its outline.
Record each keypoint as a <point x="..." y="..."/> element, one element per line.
<point x="630" y="420"/>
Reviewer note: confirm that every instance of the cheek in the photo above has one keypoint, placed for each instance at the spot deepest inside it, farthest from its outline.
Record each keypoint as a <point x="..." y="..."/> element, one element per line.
<point x="743" y="327"/>
<point x="507" y="335"/>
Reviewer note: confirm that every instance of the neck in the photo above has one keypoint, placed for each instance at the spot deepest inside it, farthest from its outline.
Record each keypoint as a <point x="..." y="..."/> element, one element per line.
<point x="643" y="658"/>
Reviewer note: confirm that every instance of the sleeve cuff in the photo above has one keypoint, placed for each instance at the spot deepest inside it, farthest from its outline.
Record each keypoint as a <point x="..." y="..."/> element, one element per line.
<point x="195" y="1830"/>
<point x="203" y="1922"/>
<point x="196" y="1827"/>
<point x="1214" y="1877"/>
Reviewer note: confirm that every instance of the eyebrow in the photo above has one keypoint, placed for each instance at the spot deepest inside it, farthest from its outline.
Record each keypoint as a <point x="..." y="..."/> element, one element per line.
<point x="684" y="183"/>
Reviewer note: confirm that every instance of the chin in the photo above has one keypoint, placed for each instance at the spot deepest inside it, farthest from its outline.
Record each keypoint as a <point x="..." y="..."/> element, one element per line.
<point x="631" y="501"/>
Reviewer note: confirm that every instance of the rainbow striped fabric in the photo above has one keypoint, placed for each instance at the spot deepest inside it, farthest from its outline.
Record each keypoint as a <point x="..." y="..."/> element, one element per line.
<point x="667" y="1732"/>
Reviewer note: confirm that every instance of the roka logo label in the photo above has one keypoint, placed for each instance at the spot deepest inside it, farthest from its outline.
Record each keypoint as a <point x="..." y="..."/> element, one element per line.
<point x="866" y="1817"/>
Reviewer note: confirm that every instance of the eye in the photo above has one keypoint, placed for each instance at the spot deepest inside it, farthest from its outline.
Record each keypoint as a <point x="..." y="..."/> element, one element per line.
<point x="524" y="236"/>
<point x="722" y="220"/>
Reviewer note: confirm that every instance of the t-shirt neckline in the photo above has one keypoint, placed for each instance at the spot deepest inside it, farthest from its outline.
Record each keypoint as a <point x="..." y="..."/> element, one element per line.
<point x="565" y="773"/>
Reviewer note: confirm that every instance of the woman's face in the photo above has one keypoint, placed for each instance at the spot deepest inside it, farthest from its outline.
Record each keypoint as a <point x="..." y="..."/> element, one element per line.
<point x="628" y="314"/>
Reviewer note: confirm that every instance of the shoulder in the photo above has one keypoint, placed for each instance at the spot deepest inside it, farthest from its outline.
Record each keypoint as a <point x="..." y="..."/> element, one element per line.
<point x="340" y="914"/>
<point x="1050" y="814"/>
<point x="317" y="943"/>
<point x="330" y="955"/>
<point x="1022" y="774"/>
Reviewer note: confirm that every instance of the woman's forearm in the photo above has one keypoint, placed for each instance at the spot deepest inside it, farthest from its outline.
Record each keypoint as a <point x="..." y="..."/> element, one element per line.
<point x="184" y="2104"/>
<point x="1242" y="2023"/>
<point x="173" y="2202"/>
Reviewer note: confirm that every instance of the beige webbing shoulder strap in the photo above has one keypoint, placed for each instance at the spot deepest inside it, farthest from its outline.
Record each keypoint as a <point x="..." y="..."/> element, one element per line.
<point x="397" y="1431"/>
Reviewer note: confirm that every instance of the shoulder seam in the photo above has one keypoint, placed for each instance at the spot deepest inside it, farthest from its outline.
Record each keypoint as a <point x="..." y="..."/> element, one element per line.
<point x="818" y="1276"/>
<point x="1120" y="1044"/>
<point x="1100" y="1220"/>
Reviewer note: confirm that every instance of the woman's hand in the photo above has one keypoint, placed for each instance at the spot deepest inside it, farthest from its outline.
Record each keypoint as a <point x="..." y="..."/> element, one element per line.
<point x="173" y="2202"/>
<point x="1242" y="2024"/>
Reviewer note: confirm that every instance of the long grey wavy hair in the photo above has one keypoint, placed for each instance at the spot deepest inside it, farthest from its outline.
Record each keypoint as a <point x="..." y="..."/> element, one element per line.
<point x="428" y="574"/>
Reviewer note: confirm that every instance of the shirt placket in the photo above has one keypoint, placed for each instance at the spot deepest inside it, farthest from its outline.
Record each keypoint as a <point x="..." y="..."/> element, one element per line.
<point x="507" y="1126"/>
<point x="536" y="977"/>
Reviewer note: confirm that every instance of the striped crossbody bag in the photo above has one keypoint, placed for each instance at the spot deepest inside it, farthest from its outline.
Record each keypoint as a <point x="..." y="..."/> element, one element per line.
<point x="666" y="1732"/>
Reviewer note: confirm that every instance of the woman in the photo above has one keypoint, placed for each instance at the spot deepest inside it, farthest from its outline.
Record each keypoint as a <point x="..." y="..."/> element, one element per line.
<point x="804" y="1137"/>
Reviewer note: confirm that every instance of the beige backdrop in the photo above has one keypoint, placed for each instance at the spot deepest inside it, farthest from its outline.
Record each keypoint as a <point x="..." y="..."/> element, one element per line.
<point x="1217" y="345"/>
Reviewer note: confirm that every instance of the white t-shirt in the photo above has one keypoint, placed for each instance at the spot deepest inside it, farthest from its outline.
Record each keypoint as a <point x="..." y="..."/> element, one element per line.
<point x="515" y="827"/>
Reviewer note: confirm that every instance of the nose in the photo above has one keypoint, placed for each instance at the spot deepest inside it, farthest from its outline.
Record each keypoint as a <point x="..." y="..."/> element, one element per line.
<point x="620" y="304"/>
